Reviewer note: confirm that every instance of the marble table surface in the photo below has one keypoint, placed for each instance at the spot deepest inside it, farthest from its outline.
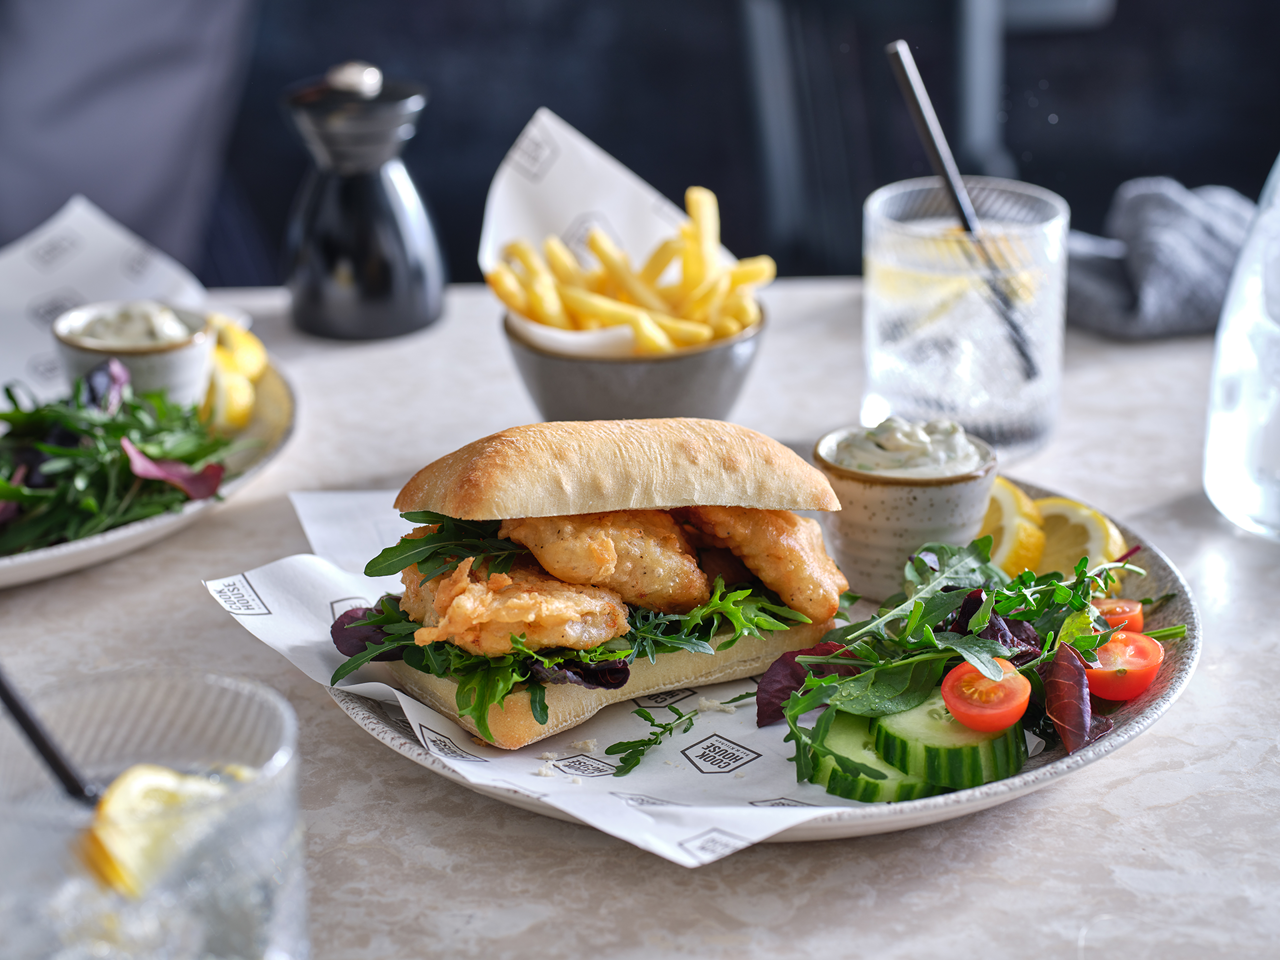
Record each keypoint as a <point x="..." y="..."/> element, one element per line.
<point x="1168" y="848"/>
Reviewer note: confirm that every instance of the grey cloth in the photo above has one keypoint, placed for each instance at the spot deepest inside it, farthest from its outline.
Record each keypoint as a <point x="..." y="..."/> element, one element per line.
<point x="128" y="102"/>
<point x="1165" y="270"/>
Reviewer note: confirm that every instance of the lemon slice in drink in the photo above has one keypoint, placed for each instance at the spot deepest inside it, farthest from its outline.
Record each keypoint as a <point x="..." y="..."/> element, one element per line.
<point x="137" y="828"/>
<point x="1013" y="523"/>
<point x="1072" y="531"/>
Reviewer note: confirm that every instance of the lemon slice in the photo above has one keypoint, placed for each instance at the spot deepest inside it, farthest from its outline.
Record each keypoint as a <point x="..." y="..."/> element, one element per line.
<point x="1072" y="531"/>
<point x="137" y="829"/>
<point x="245" y="352"/>
<point x="1013" y="523"/>
<point x="229" y="404"/>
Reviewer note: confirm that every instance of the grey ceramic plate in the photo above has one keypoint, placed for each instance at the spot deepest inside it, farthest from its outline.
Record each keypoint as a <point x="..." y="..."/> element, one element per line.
<point x="860" y="819"/>
<point x="270" y="428"/>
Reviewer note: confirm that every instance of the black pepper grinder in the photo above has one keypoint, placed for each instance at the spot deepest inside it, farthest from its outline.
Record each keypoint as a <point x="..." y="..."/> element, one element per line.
<point x="364" y="261"/>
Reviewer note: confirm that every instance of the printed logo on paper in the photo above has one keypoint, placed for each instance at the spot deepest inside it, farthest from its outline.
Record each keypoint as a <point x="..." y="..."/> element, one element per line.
<point x="136" y="262"/>
<point x="717" y="754"/>
<point x="781" y="802"/>
<point x="713" y="844"/>
<point x="44" y="366"/>
<point x="644" y="800"/>
<point x="237" y="596"/>
<point x="395" y="719"/>
<point x="444" y="747"/>
<point x="533" y="154"/>
<point x="665" y="698"/>
<point x="584" y="766"/>
<point x="339" y="607"/>
<point x="575" y="235"/>
<point x="49" y="306"/>
<point x="49" y="251"/>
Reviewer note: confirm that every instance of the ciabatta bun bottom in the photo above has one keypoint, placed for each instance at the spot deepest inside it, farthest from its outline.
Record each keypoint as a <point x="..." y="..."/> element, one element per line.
<point x="568" y="704"/>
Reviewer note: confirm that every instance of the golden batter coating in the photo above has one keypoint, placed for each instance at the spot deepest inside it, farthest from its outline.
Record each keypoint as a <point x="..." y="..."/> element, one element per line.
<point x="480" y="612"/>
<point x="643" y="555"/>
<point x="785" y="551"/>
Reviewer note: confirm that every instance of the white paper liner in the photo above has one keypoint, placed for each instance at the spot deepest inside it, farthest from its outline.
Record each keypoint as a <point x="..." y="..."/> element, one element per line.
<point x="77" y="256"/>
<point x="554" y="181"/>
<point x="698" y="797"/>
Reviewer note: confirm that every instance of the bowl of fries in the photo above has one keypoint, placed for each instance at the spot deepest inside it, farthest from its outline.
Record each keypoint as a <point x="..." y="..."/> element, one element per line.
<point x="608" y="340"/>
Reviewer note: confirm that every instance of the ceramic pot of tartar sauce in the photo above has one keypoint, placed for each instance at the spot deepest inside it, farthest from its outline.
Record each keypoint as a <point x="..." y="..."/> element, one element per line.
<point x="901" y="485"/>
<point x="165" y="348"/>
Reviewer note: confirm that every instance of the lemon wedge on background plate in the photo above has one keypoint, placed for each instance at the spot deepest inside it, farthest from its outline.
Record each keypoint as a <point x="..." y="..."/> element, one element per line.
<point x="239" y="360"/>
<point x="245" y="353"/>
<point x="1013" y="523"/>
<point x="228" y="406"/>
<point x="1072" y="531"/>
<point x="144" y="821"/>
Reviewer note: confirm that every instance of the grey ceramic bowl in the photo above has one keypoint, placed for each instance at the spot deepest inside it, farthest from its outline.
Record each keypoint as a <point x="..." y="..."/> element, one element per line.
<point x="695" y="382"/>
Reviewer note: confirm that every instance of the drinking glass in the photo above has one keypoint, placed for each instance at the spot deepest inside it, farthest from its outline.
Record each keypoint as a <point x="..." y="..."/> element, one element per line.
<point x="234" y="883"/>
<point x="955" y="333"/>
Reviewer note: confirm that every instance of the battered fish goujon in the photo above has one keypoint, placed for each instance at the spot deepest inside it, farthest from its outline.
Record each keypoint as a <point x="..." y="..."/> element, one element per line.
<point x="621" y="521"/>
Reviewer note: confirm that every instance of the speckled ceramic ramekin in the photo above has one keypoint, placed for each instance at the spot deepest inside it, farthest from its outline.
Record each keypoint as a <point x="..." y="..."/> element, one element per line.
<point x="885" y="519"/>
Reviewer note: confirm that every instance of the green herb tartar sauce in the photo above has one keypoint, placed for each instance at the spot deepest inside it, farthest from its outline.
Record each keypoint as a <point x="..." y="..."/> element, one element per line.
<point x="900" y="448"/>
<point x="139" y="324"/>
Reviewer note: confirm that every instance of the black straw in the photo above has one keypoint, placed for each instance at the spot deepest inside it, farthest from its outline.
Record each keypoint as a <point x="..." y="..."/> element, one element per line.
<point x="944" y="165"/>
<point x="47" y="749"/>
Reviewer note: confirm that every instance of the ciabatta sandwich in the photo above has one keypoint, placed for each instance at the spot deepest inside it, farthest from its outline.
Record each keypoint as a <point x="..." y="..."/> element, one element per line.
<point x="561" y="567"/>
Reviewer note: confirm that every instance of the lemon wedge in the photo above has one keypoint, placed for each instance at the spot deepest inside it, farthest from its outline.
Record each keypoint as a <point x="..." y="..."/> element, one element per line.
<point x="138" y="827"/>
<point x="1072" y="531"/>
<point x="1013" y="523"/>
<point x="245" y="353"/>
<point x="228" y="406"/>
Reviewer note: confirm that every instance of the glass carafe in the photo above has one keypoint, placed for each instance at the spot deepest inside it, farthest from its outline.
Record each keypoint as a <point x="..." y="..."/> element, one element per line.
<point x="1242" y="449"/>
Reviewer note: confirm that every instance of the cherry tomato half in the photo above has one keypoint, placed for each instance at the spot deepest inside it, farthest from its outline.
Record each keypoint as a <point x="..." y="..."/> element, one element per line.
<point x="986" y="705"/>
<point x="1121" y="613"/>
<point x="1127" y="663"/>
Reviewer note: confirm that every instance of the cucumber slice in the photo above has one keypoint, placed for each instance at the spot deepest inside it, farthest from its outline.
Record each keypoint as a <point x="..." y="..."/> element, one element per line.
<point x="851" y="737"/>
<point x="929" y="743"/>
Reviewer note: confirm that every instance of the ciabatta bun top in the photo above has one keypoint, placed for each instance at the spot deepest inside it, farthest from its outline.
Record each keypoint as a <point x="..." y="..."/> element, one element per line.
<point x="559" y="469"/>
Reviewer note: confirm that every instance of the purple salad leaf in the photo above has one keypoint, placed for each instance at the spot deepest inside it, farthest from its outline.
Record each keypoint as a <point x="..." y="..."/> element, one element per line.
<point x="353" y="640"/>
<point x="606" y="675"/>
<point x="1066" y="695"/>
<point x="785" y="676"/>
<point x="197" y="486"/>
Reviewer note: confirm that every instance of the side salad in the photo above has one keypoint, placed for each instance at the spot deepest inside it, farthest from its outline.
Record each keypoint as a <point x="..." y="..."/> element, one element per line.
<point x="937" y="691"/>
<point x="99" y="459"/>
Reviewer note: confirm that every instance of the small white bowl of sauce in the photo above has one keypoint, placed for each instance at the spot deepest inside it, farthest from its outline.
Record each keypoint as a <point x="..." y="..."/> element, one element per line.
<point x="164" y="347"/>
<point x="901" y="485"/>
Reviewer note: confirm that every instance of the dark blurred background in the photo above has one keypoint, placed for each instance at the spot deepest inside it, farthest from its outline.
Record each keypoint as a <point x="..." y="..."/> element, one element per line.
<point x="785" y="108"/>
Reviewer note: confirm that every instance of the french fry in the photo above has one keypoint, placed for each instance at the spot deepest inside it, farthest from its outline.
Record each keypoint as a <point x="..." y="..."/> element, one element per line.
<point x="726" y="326"/>
<point x="740" y="305"/>
<point x="503" y="281"/>
<point x="660" y="259"/>
<point x="540" y="286"/>
<point x="707" y="305"/>
<point x="564" y="265"/>
<point x="752" y="271"/>
<point x="650" y="337"/>
<point x="685" y="333"/>
<point x="618" y="267"/>
<point x="692" y="268"/>
<point x="704" y="211"/>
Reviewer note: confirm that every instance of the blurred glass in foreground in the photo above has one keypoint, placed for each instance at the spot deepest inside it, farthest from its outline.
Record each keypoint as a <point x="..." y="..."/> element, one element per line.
<point x="1242" y="445"/>
<point x="938" y="343"/>
<point x="199" y="856"/>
